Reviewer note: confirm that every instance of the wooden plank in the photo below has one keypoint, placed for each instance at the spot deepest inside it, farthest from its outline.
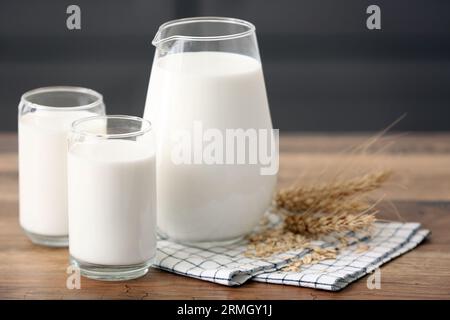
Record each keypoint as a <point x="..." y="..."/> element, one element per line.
<point x="398" y="143"/>
<point x="34" y="272"/>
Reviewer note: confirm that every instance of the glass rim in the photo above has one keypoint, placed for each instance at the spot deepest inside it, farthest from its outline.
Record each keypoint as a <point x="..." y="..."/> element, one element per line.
<point x="75" y="89"/>
<point x="250" y="29"/>
<point x="146" y="124"/>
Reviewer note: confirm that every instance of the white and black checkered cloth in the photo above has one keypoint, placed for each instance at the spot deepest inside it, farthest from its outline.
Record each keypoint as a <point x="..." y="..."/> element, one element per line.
<point x="229" y="266"/>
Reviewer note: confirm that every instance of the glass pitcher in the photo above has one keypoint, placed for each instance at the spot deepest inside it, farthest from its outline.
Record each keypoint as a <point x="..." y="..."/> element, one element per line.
<point x="207" y="84"/>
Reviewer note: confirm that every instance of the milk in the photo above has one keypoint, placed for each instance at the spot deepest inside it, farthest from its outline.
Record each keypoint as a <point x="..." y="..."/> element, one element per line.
<point x="112" y="202"/>
<point x="42" y="170"/>
<point x="223" y="90"/>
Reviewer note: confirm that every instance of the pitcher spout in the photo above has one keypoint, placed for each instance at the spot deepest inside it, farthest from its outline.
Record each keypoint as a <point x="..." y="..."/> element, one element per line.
<point x="157" y="38"/>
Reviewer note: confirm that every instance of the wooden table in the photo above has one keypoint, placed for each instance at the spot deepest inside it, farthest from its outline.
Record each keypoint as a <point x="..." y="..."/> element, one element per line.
<point x="420" y="192"/>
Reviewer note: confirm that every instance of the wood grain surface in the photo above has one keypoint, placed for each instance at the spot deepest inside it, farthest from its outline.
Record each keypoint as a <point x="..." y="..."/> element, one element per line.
<point x="419" y="192"/>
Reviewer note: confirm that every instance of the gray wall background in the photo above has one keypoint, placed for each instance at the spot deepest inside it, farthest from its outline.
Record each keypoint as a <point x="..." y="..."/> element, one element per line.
<point x="324" y="70"/>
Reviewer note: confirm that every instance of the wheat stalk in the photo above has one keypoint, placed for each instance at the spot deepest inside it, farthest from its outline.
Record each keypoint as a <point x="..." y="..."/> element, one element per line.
<point x="272" y="241"/>
<point x="313" y="224"/>
<point x="312" y="211"/>
<point x="331" y="198"/>
<point x="315" y="256"/>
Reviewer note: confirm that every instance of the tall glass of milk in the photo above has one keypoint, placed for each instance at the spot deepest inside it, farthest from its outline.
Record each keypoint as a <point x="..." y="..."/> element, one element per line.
<point x="112" y="197"/>
<point x="206" y="81"/>
<point x="45" y="117"/>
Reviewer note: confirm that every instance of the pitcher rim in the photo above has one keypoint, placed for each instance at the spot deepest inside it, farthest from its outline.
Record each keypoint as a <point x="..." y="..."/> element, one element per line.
<point x="251" y="29"/>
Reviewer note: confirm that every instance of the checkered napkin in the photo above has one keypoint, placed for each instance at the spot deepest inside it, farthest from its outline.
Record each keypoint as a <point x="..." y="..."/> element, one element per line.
<point x="229" y="266"/>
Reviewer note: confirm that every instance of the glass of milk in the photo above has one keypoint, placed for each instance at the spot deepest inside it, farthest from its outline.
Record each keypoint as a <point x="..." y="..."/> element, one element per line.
<point x="112" y="196"/>
<point x="207" y="73"/>
<point x="45" y="117"/>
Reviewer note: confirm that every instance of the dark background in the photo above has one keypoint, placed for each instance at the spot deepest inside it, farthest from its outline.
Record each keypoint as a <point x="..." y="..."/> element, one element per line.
<point x="324" y="70"/>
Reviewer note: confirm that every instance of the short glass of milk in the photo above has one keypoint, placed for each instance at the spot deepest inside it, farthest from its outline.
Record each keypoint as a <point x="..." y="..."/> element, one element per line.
<point x="112" y="197"/>
<point x="44" y="121"/>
